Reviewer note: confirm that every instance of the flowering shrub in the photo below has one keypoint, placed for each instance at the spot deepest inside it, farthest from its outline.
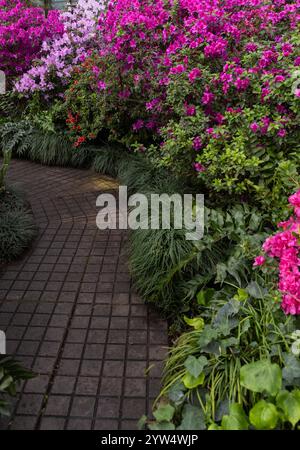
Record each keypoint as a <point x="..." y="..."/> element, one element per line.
<point x="285" y="247"/>
<point x="22" y="31"/>
<point x="208" y="85"/>
<point x="59" y="56"/>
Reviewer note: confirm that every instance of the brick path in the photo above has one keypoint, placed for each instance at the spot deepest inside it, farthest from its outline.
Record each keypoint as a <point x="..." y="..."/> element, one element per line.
<point x="70" y="313"/>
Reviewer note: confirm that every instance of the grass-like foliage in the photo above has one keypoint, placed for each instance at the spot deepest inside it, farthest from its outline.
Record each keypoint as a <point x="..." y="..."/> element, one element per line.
<point x="109" y="159"/>
<point x="17" y="227"/>
<point x="45" y="147"/>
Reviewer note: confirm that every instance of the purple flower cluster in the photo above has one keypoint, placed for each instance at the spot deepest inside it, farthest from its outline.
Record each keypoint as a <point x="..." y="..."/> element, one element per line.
<point x="52" y="71"/>
<point x="23" y="29"/>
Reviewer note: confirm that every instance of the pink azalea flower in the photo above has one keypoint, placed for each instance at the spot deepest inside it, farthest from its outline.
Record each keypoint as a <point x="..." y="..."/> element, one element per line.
<point x="199" y="167"/>
<point x="194" y="74"/>
<point x="254" y="127"/>
<point x="259" y="261"/>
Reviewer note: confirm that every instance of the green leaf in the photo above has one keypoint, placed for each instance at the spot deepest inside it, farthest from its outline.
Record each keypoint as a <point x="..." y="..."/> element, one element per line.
<point x="161" y="426"/>
<point x="197" y="323"/>
<point x="291" y="370"/>
<point x="142" y="422"/>
<point x="256" y="291"/>
<point x="164" y="413"/>
<point x="205" y="296"/>
<point x="241" y="295"/>
<point x="264" y="415"/>
<point x="261" y="376"/>
<point x="176" y="393"/>
<point x="289" y="403"/>
<point x="236" y="420"/>
<point x="214" y="427"/>
<point x="195" y="365"/>
<point x="5" y="382"/>
<point x="208" y="334"/>
<point x="192" y="418"/>
<point x="191" y="382"/>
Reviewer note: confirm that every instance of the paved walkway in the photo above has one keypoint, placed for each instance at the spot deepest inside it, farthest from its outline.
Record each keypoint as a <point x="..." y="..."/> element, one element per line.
<point x="70" y="313"/>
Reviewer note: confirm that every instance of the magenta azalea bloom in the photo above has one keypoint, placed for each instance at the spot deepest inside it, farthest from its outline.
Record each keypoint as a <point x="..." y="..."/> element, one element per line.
<point x="254" y="127"/>
<point x="197" y="143"/>
<point x="259" y="261"/>
<point x="199" y="167"/>
<point x="194" y="74"/>
<point x="285" y="247"/>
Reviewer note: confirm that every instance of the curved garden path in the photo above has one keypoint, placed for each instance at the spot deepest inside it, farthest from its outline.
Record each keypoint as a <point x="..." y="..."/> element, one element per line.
<point x="71" y="314"/>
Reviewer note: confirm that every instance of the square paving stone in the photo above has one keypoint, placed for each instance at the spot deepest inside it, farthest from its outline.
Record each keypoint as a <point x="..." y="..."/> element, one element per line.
<point x="54" y="334"/>
<point x="133" y="408"/>
<point x="52" y="423"/>
<point x="24" y="422"/>
<point x="28" y="348"/>
<point x="87" y="385"/>
<point x="108" y="407"/>
<point x="113" y="368"/>
<point x="136" y="369"/>
<point x="37" y="384"/>
<point x="93" y="351"/>
<point x="135" y="387"/>
<point x="106" y="424"/>
<point x="129" y="425"/>
<point x="73" y="350"/>
<point x="83" y="407"/>
<point x="30" y="404"/>
<point x="91" y="367"/>
<point x="69" y="366"/>
<point x="111" y="386"/>
<point x="79" y="424"/>
<point x="63" y="385"/>
<point x="57" y="405"/>
<point x="115" y="351"/>
<point x="44" y="365"/>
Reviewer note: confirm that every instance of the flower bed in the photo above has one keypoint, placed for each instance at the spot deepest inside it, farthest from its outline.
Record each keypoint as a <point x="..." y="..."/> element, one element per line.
<point x="191" y="96"/>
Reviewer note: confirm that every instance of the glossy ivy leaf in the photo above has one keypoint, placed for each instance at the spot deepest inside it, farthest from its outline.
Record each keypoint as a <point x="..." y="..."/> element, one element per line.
<point x="261" y="376"/>
<point x="289" y="403"/>
<point x="264" y="415"/>
<point x="191" y="382"/>
<point x="256" y="291"/>
<point x="229" y="342"/>
<point x="164" y="413"/>
<point x="176" y="393"/>
<point x="197" y="323"/>
<point x="291" y="370"/>
<point x="236" y="420"/>
<point x="195" y="365"/>
<point x="208" y="335"/>
<point x="192" y="418"/>
<point x="225" y="319"/>
<point x="230" y="309"/>
<point x="158" y="426"/>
